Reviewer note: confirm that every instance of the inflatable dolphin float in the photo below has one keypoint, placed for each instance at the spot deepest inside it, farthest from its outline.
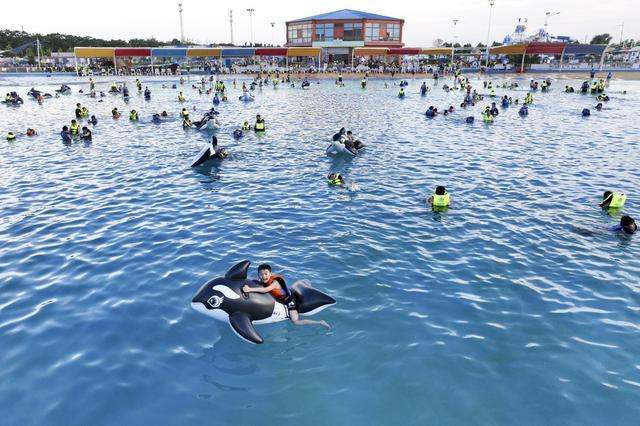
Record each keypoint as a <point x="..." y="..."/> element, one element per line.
<point x="222" y="298"/>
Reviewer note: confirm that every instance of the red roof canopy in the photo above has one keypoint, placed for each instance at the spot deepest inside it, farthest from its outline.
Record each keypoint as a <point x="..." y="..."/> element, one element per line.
<point x="545" y="48"/>
<point x="133" y="51"/>
<point x="271" y="51"/>
<point x="404" y="51"/>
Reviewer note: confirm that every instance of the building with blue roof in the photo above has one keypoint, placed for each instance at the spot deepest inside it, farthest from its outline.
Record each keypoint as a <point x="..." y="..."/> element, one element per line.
<point x="339" y="32"/>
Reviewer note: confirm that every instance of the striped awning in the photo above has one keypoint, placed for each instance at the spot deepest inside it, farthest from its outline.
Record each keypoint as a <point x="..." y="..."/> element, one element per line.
<point x="545" y="48"/>
<point x="404" y="51"/>
<point x="204" y="52"/>
<point x="237" y="52"/>
<point x="370" y="51"/>
<point x="133" y="51"/>
<point x="166" y="52"/>
<point x="584" y="49"/>
<point x="303" y="51"/>
<point x="511" y="49"/>
<point x="94" y="52"/>
<point x="271" y="51"/>
<point x="435" y="51"/>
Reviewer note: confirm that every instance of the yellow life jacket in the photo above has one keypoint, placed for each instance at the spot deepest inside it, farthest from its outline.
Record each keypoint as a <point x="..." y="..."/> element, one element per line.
<point x="180" y="98"/>
<point x="488" y="118"/>
<point x="8" y="98"/>
<point x="441" y="200"/>
<point x="259" y="125"/>
<point x="185" y="113"/>
<point x="84" y="111"/>
<point x="617" y="200"/>
<point x="73" y="129"/>
<point x="133" y="116"/>
<point x="11" y="137"/>
<point x="246" y="126"/>
<point x="335" y="181"/>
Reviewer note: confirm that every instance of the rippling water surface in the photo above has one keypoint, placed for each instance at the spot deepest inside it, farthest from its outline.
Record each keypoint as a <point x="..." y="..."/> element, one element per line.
<point x="495" y="312"/>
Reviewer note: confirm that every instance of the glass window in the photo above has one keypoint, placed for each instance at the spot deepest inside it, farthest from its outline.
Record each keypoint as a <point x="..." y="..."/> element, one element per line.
<point x="299" y="33"/>
<point x="372" y="32"/>
<point x="393" y="32"/>
<point x="324" y="32"/>
<point x="353" y="31"/>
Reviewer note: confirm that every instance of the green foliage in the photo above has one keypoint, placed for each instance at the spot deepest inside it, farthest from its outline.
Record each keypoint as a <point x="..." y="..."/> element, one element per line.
<point x="601" y="39"/>
<point x="56" y="42"/>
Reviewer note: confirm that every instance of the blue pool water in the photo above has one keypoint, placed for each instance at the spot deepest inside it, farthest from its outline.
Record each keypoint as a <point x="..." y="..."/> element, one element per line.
<point x="495" y="312"/>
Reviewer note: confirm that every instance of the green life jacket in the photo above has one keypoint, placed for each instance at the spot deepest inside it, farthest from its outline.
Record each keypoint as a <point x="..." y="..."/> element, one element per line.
<point x="617" y="200"/>
<point x="441" y="200"/>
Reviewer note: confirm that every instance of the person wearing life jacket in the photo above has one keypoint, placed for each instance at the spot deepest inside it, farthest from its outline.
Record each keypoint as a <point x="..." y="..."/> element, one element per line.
<point x="65" y="135"/>
<point x="627" y="226"/>
<point x="528" y="99"/>
<point x="8" y="98"/>
<point x="184" y="113"/>
<point x="78" y="111"/>
<point x="363" y="82"/>
<point x="339" y="78"/>
<point x="487" y="116"/>
<point x="544" y="85"/>
<point x="612" y="200"/>
<point x="594" y="87"/>
<point x="335" y="179"/>
<point x="246" y="126"/>
<point x="401" y="93"/>
<point x="11" y="136"/>
<point x="84" y="111"/>
<point x="133" y="115"/>
<point x="601" y="86"/>
<point x="440" y="198"/>
<point x="181" y="97"/>
<point x="277" y="288"/>
<point x="492" y="93"/>
<point x="139" y="85"/>
<point x="115" y="114"/>
<point x="260" y="124"/>
<point x="74" y="128"/>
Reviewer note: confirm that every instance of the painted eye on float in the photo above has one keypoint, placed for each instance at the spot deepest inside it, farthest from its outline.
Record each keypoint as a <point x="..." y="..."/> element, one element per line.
<point x="215" y="301"/>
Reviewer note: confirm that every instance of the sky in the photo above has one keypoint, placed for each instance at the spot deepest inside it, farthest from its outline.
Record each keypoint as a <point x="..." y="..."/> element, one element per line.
<point x="207" y="21"/>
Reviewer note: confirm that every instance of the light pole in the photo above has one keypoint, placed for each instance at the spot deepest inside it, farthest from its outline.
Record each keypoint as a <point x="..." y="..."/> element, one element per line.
<point x="272" y="25"/>
<point x="621" y="30"/>
<point x="491" y="3"/>
<point x="546" y="23"/>
<point x="181" y="26"/>
<point x="251" y="23"/>
<point x="453" y="45"/>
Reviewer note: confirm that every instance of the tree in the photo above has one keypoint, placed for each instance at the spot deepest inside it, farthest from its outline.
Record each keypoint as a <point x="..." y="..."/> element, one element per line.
<point x="438" y="42"/>
<point x="601" y="39"/>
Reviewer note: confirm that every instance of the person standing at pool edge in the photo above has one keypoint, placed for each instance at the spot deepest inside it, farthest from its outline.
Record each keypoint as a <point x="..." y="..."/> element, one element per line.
<point x="276" y="286"/>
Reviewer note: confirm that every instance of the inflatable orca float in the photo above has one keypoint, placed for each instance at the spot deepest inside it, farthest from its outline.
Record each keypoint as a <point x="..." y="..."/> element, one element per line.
<point x="63" y="90"/>
<point x="222" y="299"/>
<point x="338" y="147"/>
<point x="246" y="97"/>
